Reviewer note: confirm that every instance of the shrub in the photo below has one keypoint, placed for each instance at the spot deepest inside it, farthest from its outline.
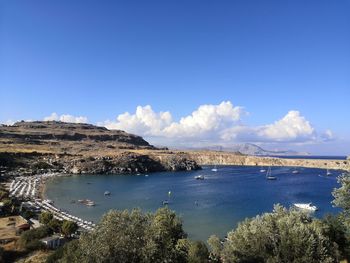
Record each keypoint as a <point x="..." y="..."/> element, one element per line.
<point x="281" y="236"/>
<point x="29" y="236"/>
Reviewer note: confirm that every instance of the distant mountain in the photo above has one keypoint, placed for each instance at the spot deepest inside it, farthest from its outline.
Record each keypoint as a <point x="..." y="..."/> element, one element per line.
<point x="253" y="149"/>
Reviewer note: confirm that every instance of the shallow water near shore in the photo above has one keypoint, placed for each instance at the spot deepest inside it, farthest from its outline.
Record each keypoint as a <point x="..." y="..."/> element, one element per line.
<point x="211" y="206"/>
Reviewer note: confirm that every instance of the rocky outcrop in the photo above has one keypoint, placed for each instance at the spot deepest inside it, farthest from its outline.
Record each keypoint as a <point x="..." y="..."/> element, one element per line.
<point x="123" y="163"/>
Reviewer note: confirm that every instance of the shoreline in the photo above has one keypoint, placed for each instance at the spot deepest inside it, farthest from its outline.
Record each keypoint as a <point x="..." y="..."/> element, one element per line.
<point x="30" y="191"/>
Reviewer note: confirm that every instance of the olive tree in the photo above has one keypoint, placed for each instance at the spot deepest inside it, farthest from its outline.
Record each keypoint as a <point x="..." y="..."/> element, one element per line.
<point x="45" y="217"/>
<point x="342" y="196"/>
<point x="123" y="236"/>
<point x="281" y="236"/>
<point x="68" y="228"/>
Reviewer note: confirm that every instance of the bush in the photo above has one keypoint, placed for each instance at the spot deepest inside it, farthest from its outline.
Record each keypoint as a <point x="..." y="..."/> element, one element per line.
<point x="42" y="165"/>
<point x="45" y="217"/>
<point x="27" y="237"/>
<point x="198" y="252"/>
<point x="124" y="236"/>
<point x="68" y="253"/>
<point x="55" y="225"/>
<point x="35" y="244"/>
<point x="281" y="236"/>
<point x="68" y="228"/>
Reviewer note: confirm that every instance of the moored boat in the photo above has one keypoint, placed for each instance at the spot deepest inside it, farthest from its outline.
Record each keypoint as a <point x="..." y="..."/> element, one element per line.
<point x="306" y="206"/>
<point x="199" y="177"/>
<point x="269" y="175"/>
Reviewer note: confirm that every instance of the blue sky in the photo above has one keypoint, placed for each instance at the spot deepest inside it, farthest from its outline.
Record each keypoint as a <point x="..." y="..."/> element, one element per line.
<point x="100" y="59"/>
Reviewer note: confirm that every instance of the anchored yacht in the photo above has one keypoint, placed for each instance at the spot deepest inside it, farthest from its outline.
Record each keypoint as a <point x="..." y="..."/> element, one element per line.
<point x="306" y="206"/>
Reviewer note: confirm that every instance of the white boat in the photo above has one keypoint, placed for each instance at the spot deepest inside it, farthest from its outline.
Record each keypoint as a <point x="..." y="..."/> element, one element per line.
<point x="262" y="170"/>
<point x="107" y="193"/>
<point x="214" y="169"/>
<point x="165" y="202"/>
<point x="328" y="173"/>
<point x="306" y="206"/>
<point x="295" y="172"/>
<point x="90" y="203"/>
<point x="269" y="175"/>
<point x="199" y="177"/>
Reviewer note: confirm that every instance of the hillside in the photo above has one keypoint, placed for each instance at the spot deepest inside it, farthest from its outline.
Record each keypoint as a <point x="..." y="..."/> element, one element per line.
<point x="81" y="148"/>
<point x="60" y="137"/>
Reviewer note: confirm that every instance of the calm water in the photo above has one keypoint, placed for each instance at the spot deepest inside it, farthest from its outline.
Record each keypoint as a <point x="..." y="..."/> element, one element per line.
<point x="211" y="206"/>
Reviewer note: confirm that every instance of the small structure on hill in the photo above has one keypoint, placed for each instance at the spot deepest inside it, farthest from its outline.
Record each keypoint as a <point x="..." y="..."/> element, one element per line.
<point x="53" y="242"/>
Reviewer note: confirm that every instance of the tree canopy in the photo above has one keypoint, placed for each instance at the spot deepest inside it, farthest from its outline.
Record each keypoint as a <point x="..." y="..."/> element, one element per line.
<point x="281" y="236"/>
<point x="124" y="236"/>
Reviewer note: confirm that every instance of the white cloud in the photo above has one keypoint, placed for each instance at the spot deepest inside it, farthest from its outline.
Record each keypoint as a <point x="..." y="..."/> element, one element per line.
<point x="206" y="121"/>
<point x="66" y="118"/>
<point x="145" y="121"/>
<point x="292" y="127"/>
<point x="220" y="123"/>
<point x="9" y="122"/>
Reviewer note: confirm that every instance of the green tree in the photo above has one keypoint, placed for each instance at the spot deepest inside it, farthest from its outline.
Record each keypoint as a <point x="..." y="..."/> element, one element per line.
<point x="198" y="252"/>
<point x="123" y="236"/>
<point x="342" y="196"/>
<point x="337" y="232"/>
<point x="68" y="228"/>
<point x="55" y="225"/>
<point x="162" y="235"/>
<point x="45" y="217"/>
<point x="28" y="238"/>
<point x="216" y="247"/>
<point x="70" y="252"/>
<point x="281" y="236"/>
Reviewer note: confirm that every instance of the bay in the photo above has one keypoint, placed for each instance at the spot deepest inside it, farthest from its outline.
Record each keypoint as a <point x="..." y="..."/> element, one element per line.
<point x="214" y="205"/>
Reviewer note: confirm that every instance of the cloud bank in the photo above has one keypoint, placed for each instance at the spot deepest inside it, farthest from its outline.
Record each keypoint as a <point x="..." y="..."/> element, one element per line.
<point x="222" y="123"/>
<point x="66" y="118"/>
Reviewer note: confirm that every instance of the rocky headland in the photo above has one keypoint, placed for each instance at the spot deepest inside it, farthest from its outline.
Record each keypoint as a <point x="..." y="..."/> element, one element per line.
<point x="39" y="147"/>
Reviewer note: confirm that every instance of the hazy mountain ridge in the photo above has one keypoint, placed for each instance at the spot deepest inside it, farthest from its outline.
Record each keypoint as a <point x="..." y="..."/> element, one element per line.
<point x="251" y="149"/>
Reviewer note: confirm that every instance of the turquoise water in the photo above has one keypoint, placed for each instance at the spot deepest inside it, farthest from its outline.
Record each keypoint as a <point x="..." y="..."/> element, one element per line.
<point x="211" y="206"/>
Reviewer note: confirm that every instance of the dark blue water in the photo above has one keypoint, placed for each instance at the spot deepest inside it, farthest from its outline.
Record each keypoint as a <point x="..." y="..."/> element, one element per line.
<point x="211" y="206"/>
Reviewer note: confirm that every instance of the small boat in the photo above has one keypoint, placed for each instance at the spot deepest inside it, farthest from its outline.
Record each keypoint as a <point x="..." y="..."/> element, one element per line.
<point x="107" y="193"/>
<point x="165" y="202"/>
<point x="90" y="203"/>
<point x="262" y="170"/>
<point x="328" y="173"/>
<point x="146" y="175"/>
<point x="295" y="172"/>
<point x="269" y="175"/>
<point x="214" y="169"/>
<point x="306" y="206"/>
<point x="199" y="177"/>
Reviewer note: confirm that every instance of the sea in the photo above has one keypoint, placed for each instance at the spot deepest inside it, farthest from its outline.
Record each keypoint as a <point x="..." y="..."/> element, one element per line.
<point x="214" y="205"/>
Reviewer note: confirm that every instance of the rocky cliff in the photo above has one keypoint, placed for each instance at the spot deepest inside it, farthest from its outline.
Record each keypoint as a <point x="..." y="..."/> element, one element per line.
<point x="224" y="158"/>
